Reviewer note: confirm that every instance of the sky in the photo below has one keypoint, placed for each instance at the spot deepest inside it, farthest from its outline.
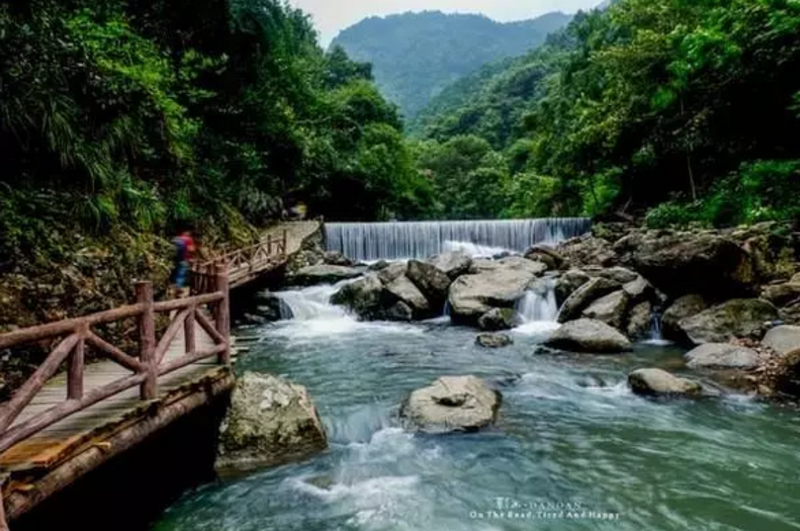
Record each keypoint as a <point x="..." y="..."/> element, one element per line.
<point x="332" y="16"/>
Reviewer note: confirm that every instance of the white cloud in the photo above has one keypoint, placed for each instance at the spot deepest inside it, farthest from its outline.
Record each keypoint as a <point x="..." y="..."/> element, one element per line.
<point x="332" y="16"/>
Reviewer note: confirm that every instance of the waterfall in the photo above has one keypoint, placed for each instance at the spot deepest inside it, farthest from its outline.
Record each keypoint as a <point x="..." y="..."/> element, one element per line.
<point x="312" y="303"/>
<point x="538" y="306"/>
<point x="423" y="239"/>
<point x="537" y="310"/>
<point x="656" y="336"/>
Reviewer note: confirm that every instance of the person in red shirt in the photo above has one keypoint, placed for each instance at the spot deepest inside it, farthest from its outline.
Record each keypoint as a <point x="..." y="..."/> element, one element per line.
<point x="184" y="252"/>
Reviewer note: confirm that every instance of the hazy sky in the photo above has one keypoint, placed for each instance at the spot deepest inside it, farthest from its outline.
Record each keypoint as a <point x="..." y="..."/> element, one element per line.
<point x="332" y="16"/>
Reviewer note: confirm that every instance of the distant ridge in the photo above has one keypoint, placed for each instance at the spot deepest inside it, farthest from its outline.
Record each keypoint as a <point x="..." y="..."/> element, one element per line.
<point x="416" y="55"/>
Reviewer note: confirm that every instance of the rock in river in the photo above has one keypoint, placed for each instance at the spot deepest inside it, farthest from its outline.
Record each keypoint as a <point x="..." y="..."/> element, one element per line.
<point x="658" y="382"/>
<point x="496" y="285"/>
<point x="588" y="335"/>
<point x="430" y="280"/>
<point x="610" y="309"/>
<point x="494" y="340"/>
<point x="270" y="421"/>
<point x="783" y="339"/>
<point x="323" y="274"/>
<point x="737" y="318"/>
<point x="722" y="356"/>
<point x="497" y="319"/>
<point x="584" y="296"/>
<point x="452" y="264"/>
<point x="364" y="297"/>
<point x="452" y="403"/>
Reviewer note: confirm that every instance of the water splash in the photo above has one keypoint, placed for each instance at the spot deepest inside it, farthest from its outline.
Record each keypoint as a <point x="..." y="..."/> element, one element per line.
<point x="537" y="310"/>
<point x="389" y="241"/>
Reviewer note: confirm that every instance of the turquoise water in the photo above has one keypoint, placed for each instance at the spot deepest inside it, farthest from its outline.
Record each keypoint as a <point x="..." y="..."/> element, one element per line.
<point x="573" y="448"/>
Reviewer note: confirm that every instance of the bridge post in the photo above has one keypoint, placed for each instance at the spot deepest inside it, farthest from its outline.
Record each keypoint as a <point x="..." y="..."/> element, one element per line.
<point x="222" y="312"/>
<point x="147" y="340"/>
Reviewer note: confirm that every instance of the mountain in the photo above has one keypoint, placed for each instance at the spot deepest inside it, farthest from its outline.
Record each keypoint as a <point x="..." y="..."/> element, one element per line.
<point x="416" y="55"/>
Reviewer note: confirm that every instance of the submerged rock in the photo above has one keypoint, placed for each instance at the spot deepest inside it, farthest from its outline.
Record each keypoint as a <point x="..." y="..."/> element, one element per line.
<point x="658" y="382"/>
<point x="452" y="403"/>
<point x="497" y="319"/>
<point x="323" y="274"/>
<point x="270" y="422"/>
<point x="722" y="356"/>
<point x="494" y="340"/>
<point x="588" y="335"/>
<point x="738" y="318"/>
<point x="783" y="339"/>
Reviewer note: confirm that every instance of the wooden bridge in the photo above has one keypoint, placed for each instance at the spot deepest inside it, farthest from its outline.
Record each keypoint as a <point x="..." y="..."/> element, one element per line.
<point x="58" y="427"/>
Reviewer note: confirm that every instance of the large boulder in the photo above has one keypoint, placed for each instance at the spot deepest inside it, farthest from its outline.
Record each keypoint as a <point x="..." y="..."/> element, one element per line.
<point x="679" y="264"/>
<point x="783" y="339"/>
<point x="683" y="307"/>
<point x="658" y="382"/>
<point x="639" y="290"/>
<point x="270" y="422"/>
<point x="497" y="286"/>
<point x="722" y="356"/>
<point x="639" y="320"/>
<point x="782" y="294"/>
<point x="568" y="283"/>
<point x="546" y="255"/>
<point x="405" y="291"/>
<point x="494" y="340"/>
<point x="587" y="335"/>
<point x="323" y="274"/>
<point x="431" y="281"/>
<point x="364" y="297"/>
<point x="497" y="319"/>
<point x="588" y="251"/>
<point x="337" y="258"/>
<point x="737" y="318"/>
<point x="452" y="264"/>
<point x="618" y="274"/>
<point x="452" y="403"/>
<point x="584" y="296"/>
<point x="610" y="309"/>
<point x="390" y="273"/>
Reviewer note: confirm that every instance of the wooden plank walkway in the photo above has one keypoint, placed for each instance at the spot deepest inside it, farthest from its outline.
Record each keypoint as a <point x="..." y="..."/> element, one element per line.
<point x="51" y="445"/>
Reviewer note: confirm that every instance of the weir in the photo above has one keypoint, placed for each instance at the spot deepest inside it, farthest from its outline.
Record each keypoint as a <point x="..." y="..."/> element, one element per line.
<point x="423" y="239"/>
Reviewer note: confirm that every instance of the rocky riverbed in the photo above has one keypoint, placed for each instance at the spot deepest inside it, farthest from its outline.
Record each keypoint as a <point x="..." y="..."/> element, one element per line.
<point x="732" y="295"/>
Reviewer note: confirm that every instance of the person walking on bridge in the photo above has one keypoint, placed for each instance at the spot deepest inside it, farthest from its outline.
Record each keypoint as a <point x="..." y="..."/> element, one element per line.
<point x="184" y="252"/>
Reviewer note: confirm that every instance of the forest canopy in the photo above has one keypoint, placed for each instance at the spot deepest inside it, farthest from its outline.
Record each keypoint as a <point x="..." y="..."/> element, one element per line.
<point x="687" y="108"/>
<point x="150" y="115"/>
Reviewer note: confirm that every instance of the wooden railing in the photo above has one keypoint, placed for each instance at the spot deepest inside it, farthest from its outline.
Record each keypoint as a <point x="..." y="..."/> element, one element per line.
<point x="240" y="263"/>
<point x="147" y="365"/>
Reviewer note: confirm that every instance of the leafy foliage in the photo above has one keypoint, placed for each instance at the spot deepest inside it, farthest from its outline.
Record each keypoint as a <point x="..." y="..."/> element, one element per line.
<point x="688" y="105"/>
<point x="417" y="55"/>
<point x="149" y="115"/>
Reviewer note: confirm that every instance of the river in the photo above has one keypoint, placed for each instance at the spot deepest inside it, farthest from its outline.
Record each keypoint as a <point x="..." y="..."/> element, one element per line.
<point x="573" y="448"/>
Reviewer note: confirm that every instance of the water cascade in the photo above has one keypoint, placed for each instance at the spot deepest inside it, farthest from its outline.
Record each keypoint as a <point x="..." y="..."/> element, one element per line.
<point x="537" y="310"/>
<point x="423" y="239"/>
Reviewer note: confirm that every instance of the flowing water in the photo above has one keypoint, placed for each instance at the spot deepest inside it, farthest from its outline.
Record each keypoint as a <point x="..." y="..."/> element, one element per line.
<point x="573" y="448"/>
<point x="423" y="239"/>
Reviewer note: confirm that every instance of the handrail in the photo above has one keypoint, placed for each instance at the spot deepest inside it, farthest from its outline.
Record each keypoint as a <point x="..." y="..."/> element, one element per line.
<point x="244" y="261"/>
<point x="147" y="365"/>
